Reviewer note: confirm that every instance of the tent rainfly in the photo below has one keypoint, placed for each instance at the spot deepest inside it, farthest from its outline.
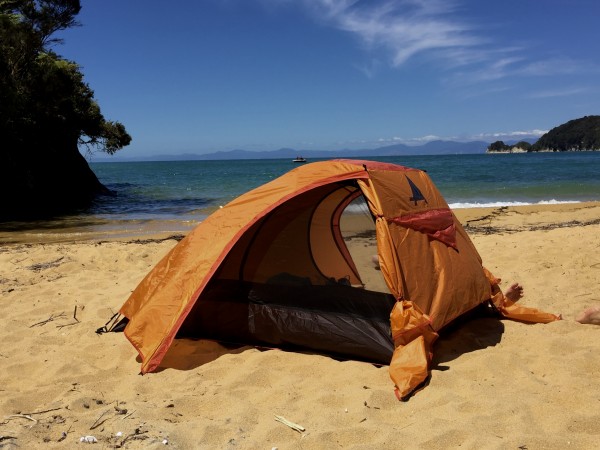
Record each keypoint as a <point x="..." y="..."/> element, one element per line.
<point x="271" y="269"/>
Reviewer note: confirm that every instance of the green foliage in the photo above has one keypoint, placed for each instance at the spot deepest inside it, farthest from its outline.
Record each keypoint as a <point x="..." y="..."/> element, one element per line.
<point x="40" y="91"/>
<point x="524" y="145"/>
<point x="577" y="134"/>
<point x="48" y="16"/>
<point x="498" y="146"/>
<point x="47" y="111"/>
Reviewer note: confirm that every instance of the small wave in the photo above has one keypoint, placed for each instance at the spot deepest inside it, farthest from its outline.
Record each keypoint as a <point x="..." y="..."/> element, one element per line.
<point x="498" y="204"/>
<point x="360" y="207"/>
<point x="357" y="208"/>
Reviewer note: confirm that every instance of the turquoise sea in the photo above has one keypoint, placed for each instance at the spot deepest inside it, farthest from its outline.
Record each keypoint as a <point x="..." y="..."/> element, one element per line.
<point x="173" y="196"/>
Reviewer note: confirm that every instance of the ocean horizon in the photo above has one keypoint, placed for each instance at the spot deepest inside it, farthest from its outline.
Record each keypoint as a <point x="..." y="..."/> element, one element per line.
<point x="174" y="196"/>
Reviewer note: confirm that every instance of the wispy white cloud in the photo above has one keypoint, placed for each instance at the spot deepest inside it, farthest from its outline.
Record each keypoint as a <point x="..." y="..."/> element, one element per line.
<point x="499" y="68"/>
<point x="517" y="135"/>
<point x="412" y="141"/>
<point x="428" y="138"/>
<point x="564" y="92"/>
<point x="520" y="134"/>
<point x="438" y="31"/>
<point x="555" y="66"/>
<point x="510" y="66"/>
<point x="371" y="69"/>
<point x="405" y="28"/>
<point x="388" y="140"/>
<point x="488" y="137"/>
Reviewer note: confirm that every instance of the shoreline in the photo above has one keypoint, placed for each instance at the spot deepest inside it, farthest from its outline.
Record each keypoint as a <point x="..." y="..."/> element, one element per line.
<point x="512" y="219"/>
<point x="547" y="150"/>
<point x="494" y="384"/>
<point x="475" y="220"/>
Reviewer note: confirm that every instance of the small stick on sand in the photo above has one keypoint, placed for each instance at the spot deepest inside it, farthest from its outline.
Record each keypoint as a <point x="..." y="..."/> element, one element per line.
<point x="44" y="411"/>
<point x="20" y="416"/>
<point x="49" y="319"/>
<point x="292" y="425"/>
<point x="98" y="421"/>
<point x="67" y="325"/>
<point x="72" y="323"/>
<point x="130" y="414"/>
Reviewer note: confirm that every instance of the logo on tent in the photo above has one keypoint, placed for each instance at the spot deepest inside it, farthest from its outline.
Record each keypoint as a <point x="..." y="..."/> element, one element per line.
<point x="416" y="193"/>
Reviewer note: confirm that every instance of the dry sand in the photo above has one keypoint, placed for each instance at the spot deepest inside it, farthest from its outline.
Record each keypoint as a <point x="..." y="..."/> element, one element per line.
<point x="495" y="384"/>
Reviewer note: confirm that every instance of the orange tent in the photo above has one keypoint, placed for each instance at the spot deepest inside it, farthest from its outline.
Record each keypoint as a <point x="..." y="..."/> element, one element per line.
<point x="271" y="268"/>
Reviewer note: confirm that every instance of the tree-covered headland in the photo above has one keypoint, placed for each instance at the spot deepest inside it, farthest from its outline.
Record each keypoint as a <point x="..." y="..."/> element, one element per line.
<point x="500" y="146"/>
<point x="47" y="112"/>
<point x="575" y="135"/>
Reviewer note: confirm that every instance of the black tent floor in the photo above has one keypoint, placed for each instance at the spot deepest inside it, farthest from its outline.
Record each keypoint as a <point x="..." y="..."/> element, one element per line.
<point x="337" y="320"/>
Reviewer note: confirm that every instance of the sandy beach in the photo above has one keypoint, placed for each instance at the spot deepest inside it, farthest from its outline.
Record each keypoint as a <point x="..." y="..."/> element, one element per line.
<point x="495" y="384"/>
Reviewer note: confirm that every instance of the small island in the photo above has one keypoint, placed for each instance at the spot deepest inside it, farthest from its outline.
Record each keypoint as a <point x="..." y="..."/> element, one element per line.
<point x="576" y="135"/>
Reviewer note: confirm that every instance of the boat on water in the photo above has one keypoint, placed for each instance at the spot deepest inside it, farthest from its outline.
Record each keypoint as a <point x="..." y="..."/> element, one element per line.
<point x="299" y="159"/>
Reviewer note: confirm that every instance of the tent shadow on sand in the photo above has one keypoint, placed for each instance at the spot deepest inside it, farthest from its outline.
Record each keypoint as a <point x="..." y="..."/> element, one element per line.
<point x="188" y="354"/>
<point x="457" y="340"/>
<point x="466" y="337"/>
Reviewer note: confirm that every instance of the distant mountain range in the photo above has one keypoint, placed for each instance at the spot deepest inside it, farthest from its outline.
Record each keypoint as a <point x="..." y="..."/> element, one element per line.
<point x="430" y="148"/>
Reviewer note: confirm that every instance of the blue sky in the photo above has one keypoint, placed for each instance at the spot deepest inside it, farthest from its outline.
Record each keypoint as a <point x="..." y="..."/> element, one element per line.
<point x="209" y="75"/>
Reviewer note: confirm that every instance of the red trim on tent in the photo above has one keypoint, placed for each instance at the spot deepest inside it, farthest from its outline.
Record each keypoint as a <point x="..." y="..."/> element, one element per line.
<point x="438" y="224"/>
<point x="339" y="240"/>
<point x="375" y="165"/>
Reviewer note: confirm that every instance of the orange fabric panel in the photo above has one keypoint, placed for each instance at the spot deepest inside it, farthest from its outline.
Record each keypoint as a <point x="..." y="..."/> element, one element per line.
<point x="416" y="267"/>
<point x="442" y="281"/>
<point x="513" y="310"/>
<point x="298" y="238"/>
<point x="281" y="244"/>
<point x="376" y="165"/>
<point x="160" y="303"/>
<point x="231" y="266"/>
<point x="396" y="196"/>
<point x="409" y="366"/>
<point x="413" y="339"/>
<point x="434" y="282"/>
<point x="388" y="259"/>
